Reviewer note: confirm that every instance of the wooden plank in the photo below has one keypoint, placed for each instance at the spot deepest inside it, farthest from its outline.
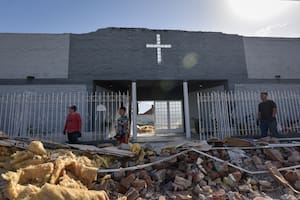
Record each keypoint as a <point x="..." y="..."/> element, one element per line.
<point x="13" y="143"/>
<point x="279" y="177"/>
<point x="107" y="150"/>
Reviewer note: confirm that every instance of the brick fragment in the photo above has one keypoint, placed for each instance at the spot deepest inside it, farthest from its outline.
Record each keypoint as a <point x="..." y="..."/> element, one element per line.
<point x="183" y="197"/>
<point x="161" y="197"/>
<point x="160" y="175"/>
<point x="219" y="195"/>
<point x="139" y="184"/>
<point x="181" y="183"/>
<point x="132" y="194"/>
<point x="274" y="154"/>
<point x="126" y="182"/>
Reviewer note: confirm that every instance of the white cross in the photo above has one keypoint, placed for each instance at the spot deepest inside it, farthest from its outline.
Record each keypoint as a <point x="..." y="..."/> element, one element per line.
<point x="158" y="47"/>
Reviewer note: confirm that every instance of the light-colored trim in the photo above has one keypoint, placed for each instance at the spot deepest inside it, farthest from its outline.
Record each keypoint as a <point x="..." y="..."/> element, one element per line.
<point x="186" y="110"/>
<point x="134" y="110"/>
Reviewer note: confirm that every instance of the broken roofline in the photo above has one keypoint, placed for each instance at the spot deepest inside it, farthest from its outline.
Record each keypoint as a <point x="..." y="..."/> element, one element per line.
<point x="153" y="30"/>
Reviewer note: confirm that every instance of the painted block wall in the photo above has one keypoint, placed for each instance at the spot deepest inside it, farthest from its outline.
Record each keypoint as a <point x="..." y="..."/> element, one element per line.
<point x="39" y="55"/>
<point x="268" y="57"/>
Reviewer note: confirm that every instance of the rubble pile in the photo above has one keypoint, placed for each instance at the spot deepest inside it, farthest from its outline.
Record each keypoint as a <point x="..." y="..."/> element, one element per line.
<point x="194" y="176"/>
<point x="135" y="172"/>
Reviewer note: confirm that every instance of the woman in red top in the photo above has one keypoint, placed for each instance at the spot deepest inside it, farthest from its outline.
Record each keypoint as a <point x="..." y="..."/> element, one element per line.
<point x="73" y="125"/>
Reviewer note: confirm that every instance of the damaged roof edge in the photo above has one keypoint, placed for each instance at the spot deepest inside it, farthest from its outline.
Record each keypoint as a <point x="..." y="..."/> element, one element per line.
<point x="153" y="30"/>
<point x="148" y="29"/>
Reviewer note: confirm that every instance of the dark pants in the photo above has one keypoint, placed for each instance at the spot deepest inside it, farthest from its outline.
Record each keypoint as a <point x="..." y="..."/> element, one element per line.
<point x="73" y="137"/>
<point x="266" y="125"/>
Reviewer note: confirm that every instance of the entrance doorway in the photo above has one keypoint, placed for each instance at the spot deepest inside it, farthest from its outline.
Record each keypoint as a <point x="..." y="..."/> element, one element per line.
<point x="168" y="116"/>
<point x="160" y="107"/>
<point x="160" y="117"/>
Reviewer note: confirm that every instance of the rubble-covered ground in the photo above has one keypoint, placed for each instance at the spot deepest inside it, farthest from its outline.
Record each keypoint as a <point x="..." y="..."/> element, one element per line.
<point x="186" y="170"/>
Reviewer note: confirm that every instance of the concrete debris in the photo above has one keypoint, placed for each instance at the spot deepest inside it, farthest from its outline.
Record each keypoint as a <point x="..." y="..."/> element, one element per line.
<point x="184" y="171"/>
<point x="274" y="154"/>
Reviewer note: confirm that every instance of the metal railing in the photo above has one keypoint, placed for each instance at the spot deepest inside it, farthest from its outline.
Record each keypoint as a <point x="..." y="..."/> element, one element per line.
<point x="43" y="115"/>
<point x="224" y="114"/>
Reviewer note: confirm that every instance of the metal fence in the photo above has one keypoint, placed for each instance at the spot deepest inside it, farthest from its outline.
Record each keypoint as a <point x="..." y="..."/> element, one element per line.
<point x="224" y="114"/>
<point x="42" y="116"/>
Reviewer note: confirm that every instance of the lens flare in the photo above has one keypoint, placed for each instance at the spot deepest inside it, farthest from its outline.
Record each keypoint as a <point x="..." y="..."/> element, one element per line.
<point x="167" y="85"/>
<point x="190" y="60"/>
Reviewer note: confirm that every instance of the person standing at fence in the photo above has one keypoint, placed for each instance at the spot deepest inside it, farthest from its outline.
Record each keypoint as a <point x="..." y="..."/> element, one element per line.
<point x="73" y="125"/>
<point x="267" y="111"/>
<point x="122" y="129"/>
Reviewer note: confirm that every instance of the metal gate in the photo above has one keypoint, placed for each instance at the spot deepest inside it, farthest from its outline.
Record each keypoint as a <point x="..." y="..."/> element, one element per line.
<point x="225" y="114"/>
<point x="168" y="116"/>
<point x="42" y="115"/>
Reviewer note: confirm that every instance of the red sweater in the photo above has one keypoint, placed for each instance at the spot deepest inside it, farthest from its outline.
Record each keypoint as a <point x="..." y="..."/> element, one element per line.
<point x="73" y="123"/>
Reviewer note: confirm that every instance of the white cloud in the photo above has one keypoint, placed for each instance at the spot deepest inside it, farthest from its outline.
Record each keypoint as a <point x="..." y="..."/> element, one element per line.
<point x="270" y="30"/>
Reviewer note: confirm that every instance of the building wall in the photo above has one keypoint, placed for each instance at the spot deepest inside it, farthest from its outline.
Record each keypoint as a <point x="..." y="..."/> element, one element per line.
<point x="39" y="55"/>
<point x="268" y="57"/>
<point x="121" y="54"/>
<point x="266" y="87"/>
<point x="42" y="88"/>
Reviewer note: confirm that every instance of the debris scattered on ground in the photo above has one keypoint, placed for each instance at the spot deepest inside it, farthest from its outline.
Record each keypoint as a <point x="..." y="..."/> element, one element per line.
<point x="182" y="170"/>
<point x="36" y="174"/>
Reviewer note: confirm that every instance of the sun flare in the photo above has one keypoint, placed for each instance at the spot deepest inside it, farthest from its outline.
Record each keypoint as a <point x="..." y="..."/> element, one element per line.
<point x="258" y="9"/>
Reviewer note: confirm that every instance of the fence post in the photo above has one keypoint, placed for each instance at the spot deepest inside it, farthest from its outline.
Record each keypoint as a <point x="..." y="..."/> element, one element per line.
<point x="134" y="110"/>
<point x="186" y="110"/>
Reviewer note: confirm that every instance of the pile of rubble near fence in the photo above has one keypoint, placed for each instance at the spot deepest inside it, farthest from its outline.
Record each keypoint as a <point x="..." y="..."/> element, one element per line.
<point x="231" y="169"/>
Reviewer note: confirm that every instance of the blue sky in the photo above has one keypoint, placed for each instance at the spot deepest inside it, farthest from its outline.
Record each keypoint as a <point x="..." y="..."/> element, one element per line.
<point x="244" y="17"/>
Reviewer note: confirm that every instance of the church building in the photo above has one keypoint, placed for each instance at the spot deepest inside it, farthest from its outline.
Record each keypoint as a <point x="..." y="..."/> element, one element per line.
<point x="163" y="66"/>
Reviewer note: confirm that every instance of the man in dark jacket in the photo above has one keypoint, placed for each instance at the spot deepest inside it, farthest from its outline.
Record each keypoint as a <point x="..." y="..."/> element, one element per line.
<point x="267" y="111"/>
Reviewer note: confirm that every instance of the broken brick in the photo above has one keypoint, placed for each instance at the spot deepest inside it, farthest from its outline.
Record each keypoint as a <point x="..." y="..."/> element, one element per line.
<point x="197" y="177"/>
<point x="126" y="182"/>
<point x="139" y="184"/>
<point x="182" y="183"/>
<point x="258" y="162"/>
<point x="160" y="175"/>
<point x="274" y="154"/>
<point x="237" y="175"/>
<point x="132" y="194"/>
<point x="197" y="189"/>
<point x="213" y="175"/>
<point x="161" y="197"/>
<point x="264" y="183"/>
<point x="233" y="178"/>
<point x="294" y="157"/>
<point x="145" y="176"/>
<point x="291" y="176"/>
<point x="183" y="197"/>
<point x="118" y="175"/>
<point x="260" y="198"/>
<point x="219" y="195"/>
<point x="244" y="188"/>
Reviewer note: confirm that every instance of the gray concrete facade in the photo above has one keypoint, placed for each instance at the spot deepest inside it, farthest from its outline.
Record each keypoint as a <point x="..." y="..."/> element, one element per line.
<point x="42" y="56"/>
<point x="270" y="57"/>
<point x="120" y="54"/>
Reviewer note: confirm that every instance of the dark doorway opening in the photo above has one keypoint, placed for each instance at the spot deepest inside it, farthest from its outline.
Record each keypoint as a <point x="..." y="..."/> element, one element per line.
<point x="112" y="85"/>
